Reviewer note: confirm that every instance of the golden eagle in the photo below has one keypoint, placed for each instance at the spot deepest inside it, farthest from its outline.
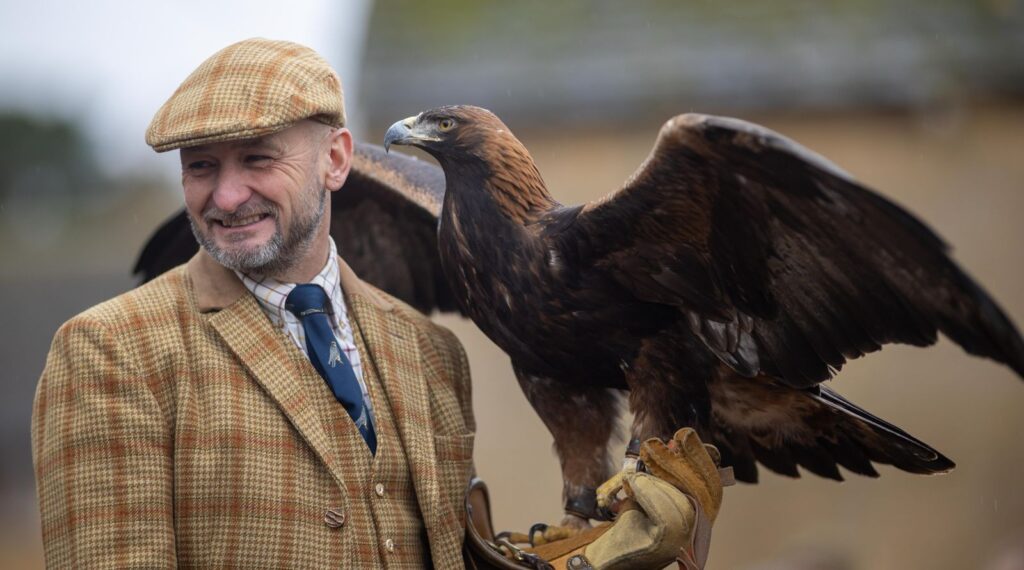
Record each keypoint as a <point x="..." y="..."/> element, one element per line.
<point x="730" y="276"/>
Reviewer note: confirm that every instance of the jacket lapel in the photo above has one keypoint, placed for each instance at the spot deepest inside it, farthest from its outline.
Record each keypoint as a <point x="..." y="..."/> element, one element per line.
<point x="246" y="330"/>
<point x="238" y="319"/>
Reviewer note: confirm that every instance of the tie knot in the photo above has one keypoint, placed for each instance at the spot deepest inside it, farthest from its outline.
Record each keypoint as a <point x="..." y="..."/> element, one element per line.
<point x="306" y="299"/>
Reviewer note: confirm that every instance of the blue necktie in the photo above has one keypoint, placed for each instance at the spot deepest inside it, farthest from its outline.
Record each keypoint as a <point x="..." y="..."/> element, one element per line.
<point x="309" y="303"/>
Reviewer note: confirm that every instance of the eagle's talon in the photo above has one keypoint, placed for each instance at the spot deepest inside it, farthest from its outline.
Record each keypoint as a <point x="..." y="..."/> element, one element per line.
<point x="504" y="535"/>
<point x="608" y="490"/>
<point x="552" y="533"/>
<point x="532" y="533"/>
<point x="541" y="533"/>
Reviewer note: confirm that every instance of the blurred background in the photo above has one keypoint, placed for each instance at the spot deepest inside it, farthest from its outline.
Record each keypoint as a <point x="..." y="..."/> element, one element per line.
<point x="920" y="99"/>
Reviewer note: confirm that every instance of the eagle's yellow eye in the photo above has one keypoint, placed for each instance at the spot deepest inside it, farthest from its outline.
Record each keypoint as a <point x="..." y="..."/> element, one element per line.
<point x="446" y="124"/>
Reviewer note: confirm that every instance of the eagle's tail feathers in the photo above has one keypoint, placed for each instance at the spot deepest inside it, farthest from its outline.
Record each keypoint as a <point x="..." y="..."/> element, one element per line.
<point x="790" y="430"/>
<point x="884" y="442"/>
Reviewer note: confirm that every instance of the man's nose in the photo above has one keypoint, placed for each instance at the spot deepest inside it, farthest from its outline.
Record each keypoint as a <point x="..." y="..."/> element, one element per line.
<point x="232" y="190"/>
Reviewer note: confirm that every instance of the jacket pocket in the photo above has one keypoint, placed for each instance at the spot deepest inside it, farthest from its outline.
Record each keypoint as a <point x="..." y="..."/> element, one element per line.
<point x="454" y="469"/>
<point x="457" y="447"/>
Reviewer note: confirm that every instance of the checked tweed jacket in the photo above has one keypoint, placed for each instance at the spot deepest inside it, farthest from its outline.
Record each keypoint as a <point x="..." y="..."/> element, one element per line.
<point x="175" y="426"/>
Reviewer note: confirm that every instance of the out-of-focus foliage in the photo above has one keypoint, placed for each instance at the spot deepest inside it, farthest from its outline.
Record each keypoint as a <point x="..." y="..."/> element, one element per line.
<point x="48" y="159"/>
<point x="51" y="185"/>
<point x="47" y="173"/>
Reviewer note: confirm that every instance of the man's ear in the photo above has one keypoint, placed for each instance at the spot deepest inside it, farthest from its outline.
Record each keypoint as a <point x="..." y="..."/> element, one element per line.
<point x="340" y="158"/>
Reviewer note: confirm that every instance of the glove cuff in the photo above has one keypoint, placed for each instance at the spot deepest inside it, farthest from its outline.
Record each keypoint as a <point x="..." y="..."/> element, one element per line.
<point x="695" y="555"/>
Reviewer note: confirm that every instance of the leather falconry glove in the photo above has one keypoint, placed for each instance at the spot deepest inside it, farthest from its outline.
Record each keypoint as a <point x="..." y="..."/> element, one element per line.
<point x="666" y="515"/>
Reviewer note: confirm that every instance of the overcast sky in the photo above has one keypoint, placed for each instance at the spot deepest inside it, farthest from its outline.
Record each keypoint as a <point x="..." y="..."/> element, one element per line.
<point x="112" y="63"/>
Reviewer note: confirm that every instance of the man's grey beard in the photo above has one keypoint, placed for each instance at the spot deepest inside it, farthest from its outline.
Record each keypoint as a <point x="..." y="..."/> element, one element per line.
<point x="277" y="255"/>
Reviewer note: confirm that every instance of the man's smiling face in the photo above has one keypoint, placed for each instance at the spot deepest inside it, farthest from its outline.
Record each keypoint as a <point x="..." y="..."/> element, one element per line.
<point x="256" y="205"/>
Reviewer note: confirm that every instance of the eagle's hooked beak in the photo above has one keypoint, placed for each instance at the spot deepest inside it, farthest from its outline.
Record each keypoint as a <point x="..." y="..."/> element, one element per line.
<point x="407" y="132"/>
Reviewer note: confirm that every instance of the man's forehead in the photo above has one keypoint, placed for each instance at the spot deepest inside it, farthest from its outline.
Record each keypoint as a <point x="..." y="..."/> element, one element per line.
<point x="274" y="141"/>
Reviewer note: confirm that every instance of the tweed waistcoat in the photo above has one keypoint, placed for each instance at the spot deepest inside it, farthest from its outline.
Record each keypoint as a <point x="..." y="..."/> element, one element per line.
<point x="175" y="426"/>
<point x="383" y="513"/>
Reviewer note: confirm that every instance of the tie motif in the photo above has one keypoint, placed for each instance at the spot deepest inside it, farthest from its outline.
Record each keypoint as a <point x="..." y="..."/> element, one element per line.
<point x="335" y="356"/>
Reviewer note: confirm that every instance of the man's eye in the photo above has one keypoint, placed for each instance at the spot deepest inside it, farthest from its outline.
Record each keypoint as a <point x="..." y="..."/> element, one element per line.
<point x="256" y="159"/>
<point x="198" y="165"/>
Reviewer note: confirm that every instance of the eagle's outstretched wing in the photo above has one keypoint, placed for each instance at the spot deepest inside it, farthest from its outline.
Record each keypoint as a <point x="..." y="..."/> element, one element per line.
<point x="384" y="222"/>
<point x="784" y="265"/>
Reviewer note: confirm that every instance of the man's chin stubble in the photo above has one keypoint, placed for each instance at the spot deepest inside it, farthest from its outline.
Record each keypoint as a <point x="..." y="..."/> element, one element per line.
<point x="263" y="260"/>
<point x="273" y="258"/>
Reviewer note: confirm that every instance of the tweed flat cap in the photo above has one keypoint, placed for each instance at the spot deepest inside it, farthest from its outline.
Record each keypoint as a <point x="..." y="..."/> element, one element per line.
<point x="249" y="89"/>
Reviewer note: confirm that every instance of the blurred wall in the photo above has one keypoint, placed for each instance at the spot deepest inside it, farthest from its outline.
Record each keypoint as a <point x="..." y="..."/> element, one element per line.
<point x="603" y="61"/>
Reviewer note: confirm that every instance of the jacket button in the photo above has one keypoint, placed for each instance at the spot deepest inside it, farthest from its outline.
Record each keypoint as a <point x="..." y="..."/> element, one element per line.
<point x="334" y="519"/>
<point x="389" y="545"/>
<point x="379" y="489"/>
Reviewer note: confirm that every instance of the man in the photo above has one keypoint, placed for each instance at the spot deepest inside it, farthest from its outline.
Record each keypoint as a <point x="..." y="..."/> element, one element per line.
<point x="259" y="406"/>
<point x="184" y="422"/>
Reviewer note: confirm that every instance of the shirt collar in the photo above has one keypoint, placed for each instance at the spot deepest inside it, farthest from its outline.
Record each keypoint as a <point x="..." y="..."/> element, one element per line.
<point x="216" y="287"/>
<point x="272" y="294"/>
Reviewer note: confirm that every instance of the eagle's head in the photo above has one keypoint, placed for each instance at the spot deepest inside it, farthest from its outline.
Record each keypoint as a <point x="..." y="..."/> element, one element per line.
<point x="477" y="152"/>
<point x="453" y="134"/>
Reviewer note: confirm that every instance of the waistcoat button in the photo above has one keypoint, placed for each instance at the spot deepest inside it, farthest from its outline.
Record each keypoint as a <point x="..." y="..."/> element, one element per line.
<point x="334" y="519"/>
